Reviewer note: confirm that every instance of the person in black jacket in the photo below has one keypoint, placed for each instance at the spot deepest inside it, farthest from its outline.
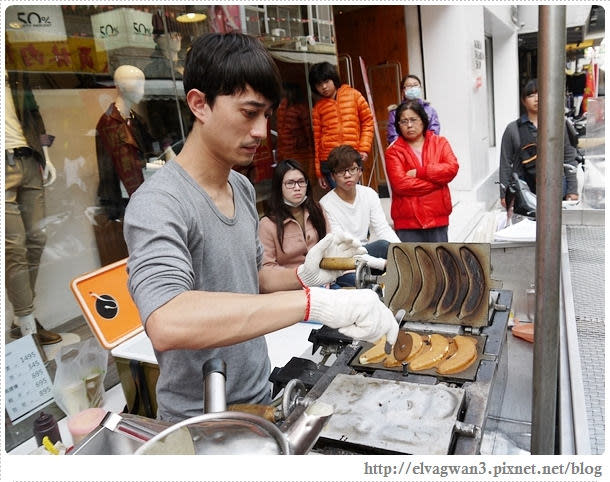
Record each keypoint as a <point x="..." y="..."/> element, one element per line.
<point x="518" y="151"/>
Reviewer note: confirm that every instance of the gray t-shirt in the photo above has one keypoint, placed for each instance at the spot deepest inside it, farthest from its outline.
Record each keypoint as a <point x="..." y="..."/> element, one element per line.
<point x="179" y="241"/>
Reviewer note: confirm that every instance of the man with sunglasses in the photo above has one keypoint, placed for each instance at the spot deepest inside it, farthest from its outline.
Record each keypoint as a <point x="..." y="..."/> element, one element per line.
<point x="356" y="210"/>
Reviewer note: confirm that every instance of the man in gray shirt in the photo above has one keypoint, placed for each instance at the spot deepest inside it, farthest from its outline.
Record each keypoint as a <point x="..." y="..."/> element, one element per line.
<point x="194" y="252"/>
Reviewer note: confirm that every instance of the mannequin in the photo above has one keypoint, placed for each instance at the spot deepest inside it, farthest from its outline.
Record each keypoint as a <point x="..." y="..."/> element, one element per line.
<point x="28" y="169"/>
<point x="123" y="144"/>
<point x="164" y="62"/>
<point x="165" y="57"/>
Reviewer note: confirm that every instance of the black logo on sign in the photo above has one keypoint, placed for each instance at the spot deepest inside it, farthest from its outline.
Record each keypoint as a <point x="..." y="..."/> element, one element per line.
<point x="33" y="19"/>
<point x="107" y="31"/>
<point x="106" y="306"/>
<point x="141" y="29"/>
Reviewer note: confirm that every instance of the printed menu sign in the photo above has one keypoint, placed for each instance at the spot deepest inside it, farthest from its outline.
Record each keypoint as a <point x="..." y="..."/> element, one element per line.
<point x="28" y="385"/>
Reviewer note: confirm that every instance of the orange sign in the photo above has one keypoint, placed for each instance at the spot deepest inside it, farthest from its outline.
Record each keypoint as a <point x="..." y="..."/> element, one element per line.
<point x="107" y="305"/>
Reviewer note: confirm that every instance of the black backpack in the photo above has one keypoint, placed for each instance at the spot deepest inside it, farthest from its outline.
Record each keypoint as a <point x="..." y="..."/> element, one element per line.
<point x="525" y="164"/>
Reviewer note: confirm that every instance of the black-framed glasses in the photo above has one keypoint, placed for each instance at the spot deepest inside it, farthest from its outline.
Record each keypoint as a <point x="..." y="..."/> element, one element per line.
<point x="410" y="121"/>
<point x="348" y="170"/>
<point x="291" y="184"/>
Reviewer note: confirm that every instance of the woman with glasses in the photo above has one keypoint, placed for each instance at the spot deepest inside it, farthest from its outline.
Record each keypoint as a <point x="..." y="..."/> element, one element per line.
<point x="420" y="165"/>
<point x="356" y="209"/>
<point x="411" y="89"/>
<point x="293" y="220"/>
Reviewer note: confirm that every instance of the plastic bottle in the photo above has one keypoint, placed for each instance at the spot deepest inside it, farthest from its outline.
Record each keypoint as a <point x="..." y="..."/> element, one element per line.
<point x="46" y="424"/>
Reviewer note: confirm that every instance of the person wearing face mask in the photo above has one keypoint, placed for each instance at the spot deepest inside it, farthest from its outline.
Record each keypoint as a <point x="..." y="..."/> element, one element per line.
<point x="293" y="222"/>
<point x="411" y="89"/>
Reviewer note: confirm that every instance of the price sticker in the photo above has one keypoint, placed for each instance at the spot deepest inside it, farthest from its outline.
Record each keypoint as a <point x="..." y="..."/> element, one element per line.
<point x="28" y="385"/>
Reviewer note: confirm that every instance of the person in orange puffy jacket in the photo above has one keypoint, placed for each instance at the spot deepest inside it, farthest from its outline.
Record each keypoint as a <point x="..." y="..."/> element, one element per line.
<point x="420" y="165"/>
<point x="341" y="116"/>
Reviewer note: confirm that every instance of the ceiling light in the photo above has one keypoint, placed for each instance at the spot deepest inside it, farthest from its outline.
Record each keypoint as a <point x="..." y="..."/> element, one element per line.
<point x="191" y="17"/>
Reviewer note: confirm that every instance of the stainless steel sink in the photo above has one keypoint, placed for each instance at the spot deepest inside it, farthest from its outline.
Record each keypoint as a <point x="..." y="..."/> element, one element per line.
<point x="103" y="441"/>
<point x="119" y="435"/>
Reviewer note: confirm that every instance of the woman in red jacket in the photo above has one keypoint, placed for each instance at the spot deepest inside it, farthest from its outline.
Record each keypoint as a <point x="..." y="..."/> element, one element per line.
<point x="341" y="116"/>
<point x="420" y="165"/>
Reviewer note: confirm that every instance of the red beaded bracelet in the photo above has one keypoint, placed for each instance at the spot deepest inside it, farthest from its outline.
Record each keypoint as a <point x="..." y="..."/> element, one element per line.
<point x="308" y="307"/>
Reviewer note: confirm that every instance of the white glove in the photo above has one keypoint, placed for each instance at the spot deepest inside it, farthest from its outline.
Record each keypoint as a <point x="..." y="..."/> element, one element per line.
<point x="333" y="245"/>
<point x="372" y="261"/>
<point x="359" y="314"/>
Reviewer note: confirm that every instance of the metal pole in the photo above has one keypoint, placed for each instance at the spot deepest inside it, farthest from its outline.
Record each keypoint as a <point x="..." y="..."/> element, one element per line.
<point x="551" y="87"/>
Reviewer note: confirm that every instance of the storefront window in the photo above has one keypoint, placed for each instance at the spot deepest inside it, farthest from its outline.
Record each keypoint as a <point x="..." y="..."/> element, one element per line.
<point x="98" y="97"/>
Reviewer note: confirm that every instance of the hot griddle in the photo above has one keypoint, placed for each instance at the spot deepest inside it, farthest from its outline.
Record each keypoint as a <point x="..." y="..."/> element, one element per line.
<point x="467" y="303"/>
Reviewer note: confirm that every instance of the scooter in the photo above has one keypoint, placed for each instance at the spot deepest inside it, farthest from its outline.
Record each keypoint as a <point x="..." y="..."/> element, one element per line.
<point x="521" y="200"/>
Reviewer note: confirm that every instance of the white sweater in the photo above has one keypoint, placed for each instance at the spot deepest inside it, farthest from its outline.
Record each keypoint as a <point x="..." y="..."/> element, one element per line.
<point x="364" y="219"/>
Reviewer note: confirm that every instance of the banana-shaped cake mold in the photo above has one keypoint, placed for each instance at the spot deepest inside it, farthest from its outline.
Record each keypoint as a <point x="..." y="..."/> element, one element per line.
<point x="451" y="277"/>
<point x="476" y="283"/>
<point x="403" y="270"/>
<point x="429" y="282"/>
<point x="428" y="359"/>
<point x="464" y="356"/>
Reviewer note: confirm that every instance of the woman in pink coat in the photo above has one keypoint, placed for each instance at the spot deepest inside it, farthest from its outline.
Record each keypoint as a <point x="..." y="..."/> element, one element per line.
<point x="293" y="220"/>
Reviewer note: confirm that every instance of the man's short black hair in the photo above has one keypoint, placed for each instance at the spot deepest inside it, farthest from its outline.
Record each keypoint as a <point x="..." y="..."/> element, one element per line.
<point x="342" y="157"/>
<point x="530" y="87"/>
<point x="224" y="64"/>
<point x="322" y="72"/>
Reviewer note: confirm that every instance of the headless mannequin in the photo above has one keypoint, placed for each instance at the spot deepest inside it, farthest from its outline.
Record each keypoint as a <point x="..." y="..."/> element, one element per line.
<point x="28" y="170"/>
<point x="170" y="44"/>
<point x="165" y="63"/>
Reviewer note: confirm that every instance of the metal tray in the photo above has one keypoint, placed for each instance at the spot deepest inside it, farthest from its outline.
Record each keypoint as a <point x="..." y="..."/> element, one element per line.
<point x="392" y="416"/>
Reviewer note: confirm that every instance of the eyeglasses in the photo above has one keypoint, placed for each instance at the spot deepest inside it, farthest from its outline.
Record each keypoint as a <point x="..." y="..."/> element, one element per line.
<point x="292" y="183"/>
<point x="349" y="170"/>
<point x="408" y="86"/>
<point x="412" y="121"/>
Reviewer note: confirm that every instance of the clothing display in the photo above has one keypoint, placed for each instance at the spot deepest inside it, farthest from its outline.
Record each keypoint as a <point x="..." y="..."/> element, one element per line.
<point x="294" y="136"/>
<point x="424" y="201"/>
<point x="122" y="146"/>
<point x="24" y="238"/>
<point x="295" y="244"/>
<point x="363" y="219"/>
<point x="174" y="219"/>
<point x="344" y="120"/>
<point x="434" y="124"/>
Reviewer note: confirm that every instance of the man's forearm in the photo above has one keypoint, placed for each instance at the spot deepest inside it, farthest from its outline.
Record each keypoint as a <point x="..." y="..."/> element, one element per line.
<point x="278" y="279"/>
<point x="201" y="319"/>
